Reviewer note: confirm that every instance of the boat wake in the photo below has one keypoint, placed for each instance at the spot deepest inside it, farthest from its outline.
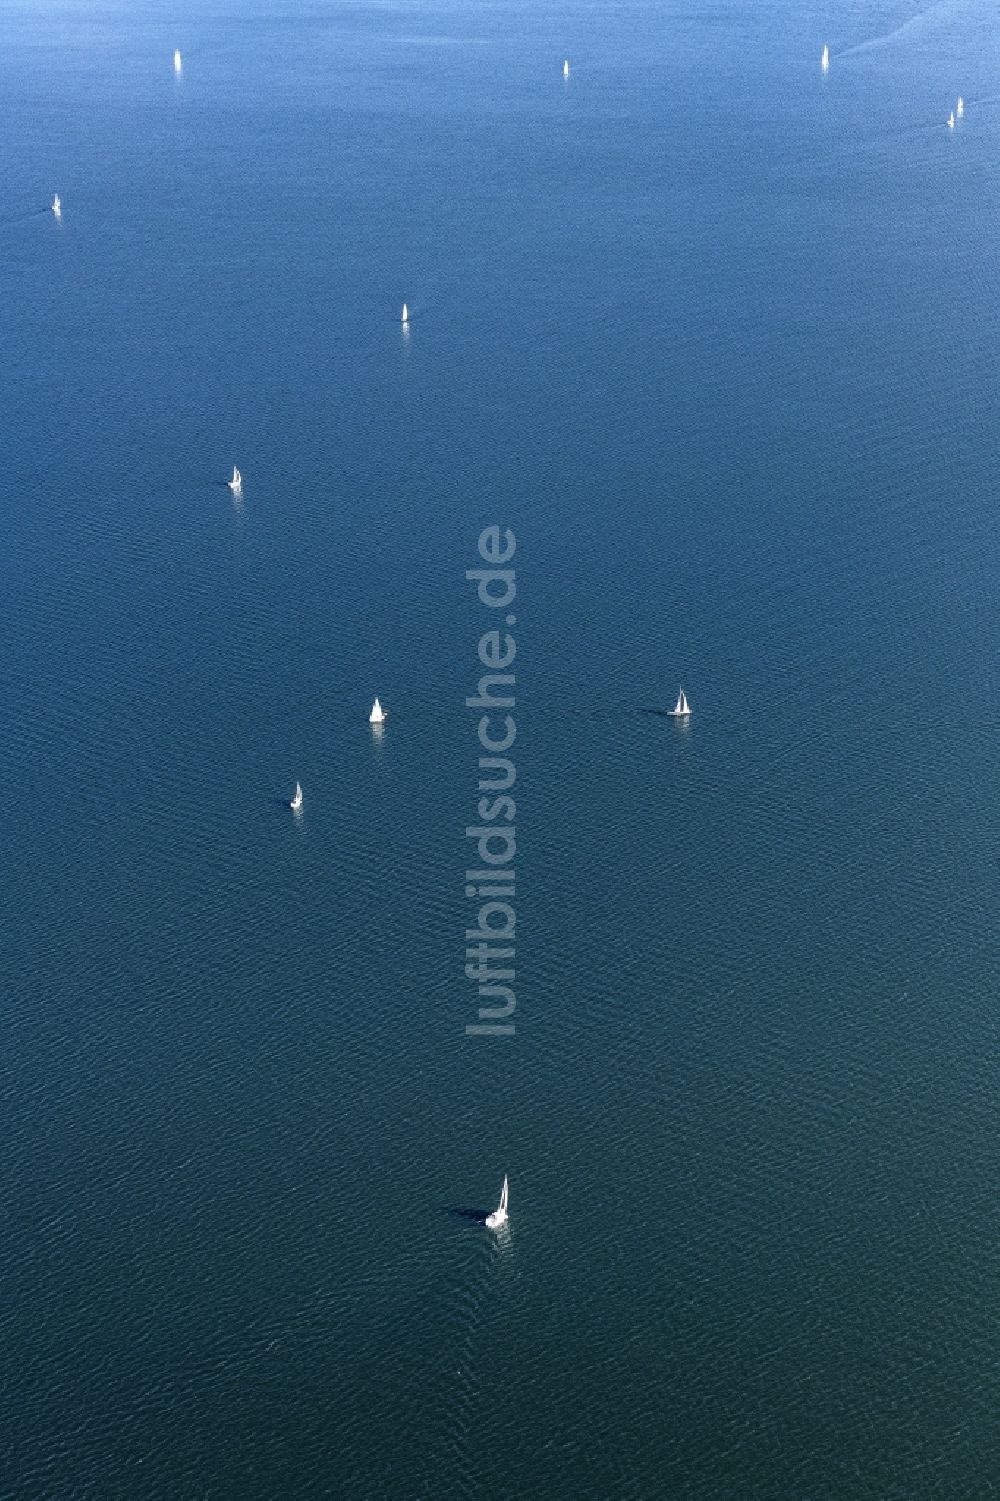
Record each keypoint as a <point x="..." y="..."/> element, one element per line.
<point x="460" y="1430"/>
<point x="924" y="19"/>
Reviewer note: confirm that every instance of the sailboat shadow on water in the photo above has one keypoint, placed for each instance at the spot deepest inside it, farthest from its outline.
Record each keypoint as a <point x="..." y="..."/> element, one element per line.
<point x="473" y="1216"/>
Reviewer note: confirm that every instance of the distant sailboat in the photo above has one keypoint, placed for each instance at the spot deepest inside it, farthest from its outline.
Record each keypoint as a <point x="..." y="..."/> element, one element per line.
<point x="177" y="60"/>
<point x="960" y="110"/>
<point x="296" y="802"/>
<point x="566" y="68"/>
<point x="951" y="120"/>
<point x="680" y="709"/>
<point x="57" y="206"/>
<point x="236" y="483"/>
<point x="377" y="714"/>
<point x="499" y="1215"/>
<point x="824" y="61"/>
<point x="405" y="315"/>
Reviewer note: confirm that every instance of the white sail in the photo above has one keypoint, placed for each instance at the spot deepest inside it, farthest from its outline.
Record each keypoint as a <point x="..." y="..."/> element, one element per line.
<point x="377" y="714"/>
<point x="405" y="316"/>
<point x="566" y="68"/>
<point x="177" y="59"/>
<point x="824" y="61"/>
<point x="57" y="206"/>
<point x="960" y="108"/>
<point x="296" y="802"/>
<point x="681" y="709"/>
<point x="951" y="120"/>
<point x="236" y="483"/>
<point x="499" y="1215"/>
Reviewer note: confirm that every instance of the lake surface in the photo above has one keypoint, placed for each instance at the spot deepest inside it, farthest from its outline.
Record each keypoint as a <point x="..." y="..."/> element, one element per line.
<point x="716" y="337"/>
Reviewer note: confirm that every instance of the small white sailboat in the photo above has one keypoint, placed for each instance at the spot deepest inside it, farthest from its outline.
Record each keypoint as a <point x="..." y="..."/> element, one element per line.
<point x="960" y="107"/>
<point x="377" y="715"/>
<point x="57" y="206"/>
<point x="236" y="483"/>
<point x="296" y="802"/>
<point x="951" y="120"/>
<point x="405" y="315"/>
<point x="566" y="68"/>
<point x="681" y="710"/>
<point x="824" y="61"/>
<point x="177" y="59"/>
<point x="499" y="1215"/>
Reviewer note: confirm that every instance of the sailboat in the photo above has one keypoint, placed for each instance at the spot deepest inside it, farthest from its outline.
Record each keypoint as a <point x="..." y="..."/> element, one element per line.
<point x="405" y="315"/>
<point x="57" y="206"/>
<point x="566" y="68"/>
<point x="951" y="120"/>
<point x="296" y="802"/>
<point x="960" y="109"/>
<point x="499" y="1215"/>
<point x="680" y="709"/>
<point x="177" y="59"/>
<point x="377" y="714"/>
<point x="824" y="61"/>
<point x="236" y="483"/>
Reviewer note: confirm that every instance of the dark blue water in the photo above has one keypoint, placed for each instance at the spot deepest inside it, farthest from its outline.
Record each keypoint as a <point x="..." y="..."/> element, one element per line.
<point x="717" y="338"/>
